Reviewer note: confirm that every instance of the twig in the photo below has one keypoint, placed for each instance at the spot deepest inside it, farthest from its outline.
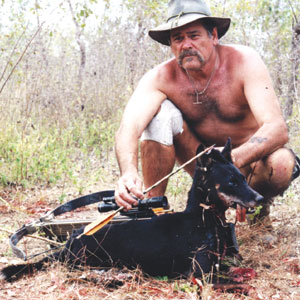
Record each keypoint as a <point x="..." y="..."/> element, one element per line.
<point x="293" y="11"/>
<point x="178" y="169"/>
<point x="5" y="202"/>
<point x="21" y="56"/>
<point x="28" y="44"/>
<point x="35" y="237"/>
<point x="224" y="5"/>
<point x="11" y="54"/>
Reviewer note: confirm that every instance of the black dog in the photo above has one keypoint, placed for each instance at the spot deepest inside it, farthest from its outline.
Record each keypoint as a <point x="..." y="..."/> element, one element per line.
<point x="190" y="242"/>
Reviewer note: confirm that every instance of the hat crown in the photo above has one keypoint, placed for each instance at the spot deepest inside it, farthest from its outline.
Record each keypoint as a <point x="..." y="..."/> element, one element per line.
<point x="180" y="7"/>
<point x="183" y="12"/>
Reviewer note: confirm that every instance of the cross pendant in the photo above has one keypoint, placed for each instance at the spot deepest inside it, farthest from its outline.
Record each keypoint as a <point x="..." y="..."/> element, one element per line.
<point x="197" y="98"/>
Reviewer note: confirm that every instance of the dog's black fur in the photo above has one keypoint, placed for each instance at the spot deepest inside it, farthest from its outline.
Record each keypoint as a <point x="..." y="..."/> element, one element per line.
<point x="183" y="243"/>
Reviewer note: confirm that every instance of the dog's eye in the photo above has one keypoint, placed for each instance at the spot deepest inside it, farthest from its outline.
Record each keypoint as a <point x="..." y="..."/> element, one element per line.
<point x="233" y="183"/>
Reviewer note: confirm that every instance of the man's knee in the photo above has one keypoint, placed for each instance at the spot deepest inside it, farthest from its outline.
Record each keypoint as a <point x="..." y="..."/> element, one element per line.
<point x="165" y="125"/>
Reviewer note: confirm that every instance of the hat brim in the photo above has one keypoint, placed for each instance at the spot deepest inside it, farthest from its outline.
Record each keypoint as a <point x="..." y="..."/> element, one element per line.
<point x="161" y="33"/>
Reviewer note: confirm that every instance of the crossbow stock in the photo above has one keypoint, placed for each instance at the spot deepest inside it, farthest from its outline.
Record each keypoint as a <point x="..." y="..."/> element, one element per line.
<point x="61" y="229"/>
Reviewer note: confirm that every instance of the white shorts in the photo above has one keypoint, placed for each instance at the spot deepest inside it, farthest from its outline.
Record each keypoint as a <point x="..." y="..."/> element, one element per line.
<point x="166" y="124"/>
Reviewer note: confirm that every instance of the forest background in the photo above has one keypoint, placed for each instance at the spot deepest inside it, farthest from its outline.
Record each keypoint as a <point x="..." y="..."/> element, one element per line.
<point x="68" y="69"/>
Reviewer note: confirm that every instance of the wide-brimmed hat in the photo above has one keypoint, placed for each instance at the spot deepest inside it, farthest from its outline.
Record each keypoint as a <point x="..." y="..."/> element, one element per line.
<point x="182" y="12"/>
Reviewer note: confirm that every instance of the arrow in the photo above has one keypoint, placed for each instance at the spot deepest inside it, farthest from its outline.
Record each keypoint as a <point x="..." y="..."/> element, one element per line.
<point x="178" y="169"/>
<point x="98" y="224"/>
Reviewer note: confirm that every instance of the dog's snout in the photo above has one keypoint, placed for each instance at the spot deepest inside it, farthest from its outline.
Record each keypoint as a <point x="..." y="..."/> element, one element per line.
<point x="254" y="199"/>
<point x="259" y="198"/>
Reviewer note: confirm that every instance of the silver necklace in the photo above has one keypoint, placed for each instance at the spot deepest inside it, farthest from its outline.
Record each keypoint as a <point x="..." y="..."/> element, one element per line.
<point x="200" y="93"/>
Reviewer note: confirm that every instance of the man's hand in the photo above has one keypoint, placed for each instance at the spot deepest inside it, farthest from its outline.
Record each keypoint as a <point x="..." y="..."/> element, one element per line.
<point x="129" y="185"/>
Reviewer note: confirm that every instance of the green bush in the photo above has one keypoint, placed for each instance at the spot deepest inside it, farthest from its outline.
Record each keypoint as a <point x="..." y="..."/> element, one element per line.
<point x="49" y="154"/>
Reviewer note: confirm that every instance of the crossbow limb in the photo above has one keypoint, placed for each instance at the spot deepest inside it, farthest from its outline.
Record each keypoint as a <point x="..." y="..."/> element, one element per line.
<point x="61" y="229"/>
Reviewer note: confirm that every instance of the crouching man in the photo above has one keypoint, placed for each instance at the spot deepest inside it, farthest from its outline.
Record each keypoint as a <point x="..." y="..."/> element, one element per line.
<point x="205" y="94"/>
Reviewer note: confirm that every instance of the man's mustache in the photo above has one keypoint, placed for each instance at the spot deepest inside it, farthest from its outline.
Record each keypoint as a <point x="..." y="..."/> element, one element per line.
<point x="185" y="53"/>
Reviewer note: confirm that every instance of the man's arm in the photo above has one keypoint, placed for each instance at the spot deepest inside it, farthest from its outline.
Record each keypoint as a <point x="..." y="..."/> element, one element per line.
<point x="272" y="133"/>
<point x="141" y="108"/>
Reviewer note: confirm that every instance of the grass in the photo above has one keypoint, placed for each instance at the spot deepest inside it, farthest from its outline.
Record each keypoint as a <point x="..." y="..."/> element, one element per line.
<point x="50" y="154"/>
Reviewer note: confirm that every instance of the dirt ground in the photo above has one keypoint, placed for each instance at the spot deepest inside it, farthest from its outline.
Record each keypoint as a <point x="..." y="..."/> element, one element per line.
<point x="275" y="257"/>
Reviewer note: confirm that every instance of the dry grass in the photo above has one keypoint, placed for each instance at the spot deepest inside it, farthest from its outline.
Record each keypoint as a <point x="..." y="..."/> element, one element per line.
<point x="276" y="260"/>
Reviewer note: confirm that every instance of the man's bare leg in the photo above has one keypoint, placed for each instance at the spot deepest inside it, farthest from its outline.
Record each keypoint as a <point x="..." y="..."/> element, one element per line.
<point x="158" y="160"/>
<point x="186" y="145"/>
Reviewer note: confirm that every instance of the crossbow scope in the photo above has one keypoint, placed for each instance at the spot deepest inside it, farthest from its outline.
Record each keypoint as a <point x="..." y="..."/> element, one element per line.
<point x="109" y="204"/>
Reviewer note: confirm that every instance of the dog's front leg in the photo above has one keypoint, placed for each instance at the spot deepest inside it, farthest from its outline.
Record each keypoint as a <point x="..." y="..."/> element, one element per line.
<point x="203" y="262"/>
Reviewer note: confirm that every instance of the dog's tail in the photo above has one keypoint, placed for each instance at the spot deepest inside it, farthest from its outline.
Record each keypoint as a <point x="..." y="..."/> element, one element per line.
<point x="14" y="272"/>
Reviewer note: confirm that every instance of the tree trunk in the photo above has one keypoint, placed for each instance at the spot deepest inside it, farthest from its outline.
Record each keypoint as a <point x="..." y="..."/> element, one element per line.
<point x="295" y="58"/>
<point x="82" y="48"/>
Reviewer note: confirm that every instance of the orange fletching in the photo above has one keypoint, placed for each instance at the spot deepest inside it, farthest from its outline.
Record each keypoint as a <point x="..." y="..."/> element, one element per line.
<point x="98" y="224"/>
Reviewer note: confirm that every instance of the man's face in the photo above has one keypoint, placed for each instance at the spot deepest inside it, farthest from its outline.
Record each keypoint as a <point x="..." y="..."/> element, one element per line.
<point x="192" y="45"/>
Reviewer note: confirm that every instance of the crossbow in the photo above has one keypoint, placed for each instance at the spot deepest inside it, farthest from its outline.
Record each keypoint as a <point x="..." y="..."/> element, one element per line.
<point x="61" y="229"/>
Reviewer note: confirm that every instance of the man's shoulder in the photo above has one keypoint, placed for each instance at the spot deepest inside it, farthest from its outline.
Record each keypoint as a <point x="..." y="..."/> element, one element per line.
<point x="238" y="50"/>
<point x="239" y="57"/>
<point x="159" y="76"/>
<point x="164" y="70"/>
<point x="166" y="66"/>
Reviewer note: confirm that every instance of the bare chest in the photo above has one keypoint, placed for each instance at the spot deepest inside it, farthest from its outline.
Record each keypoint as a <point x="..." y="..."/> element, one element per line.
<point x="222" y="102"/>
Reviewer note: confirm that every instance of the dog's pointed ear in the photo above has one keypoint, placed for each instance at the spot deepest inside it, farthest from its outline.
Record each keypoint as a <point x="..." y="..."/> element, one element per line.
<point x="226" y="152"/>
<point x="204" y="160"/>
